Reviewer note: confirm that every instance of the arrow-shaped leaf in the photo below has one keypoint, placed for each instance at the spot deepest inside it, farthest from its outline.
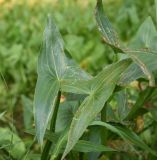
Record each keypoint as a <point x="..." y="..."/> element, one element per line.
<point x="54" y="69"/>
<point x="148" y="36"/>
<point x="144" y="39"/>
<point x="102" y="87"/>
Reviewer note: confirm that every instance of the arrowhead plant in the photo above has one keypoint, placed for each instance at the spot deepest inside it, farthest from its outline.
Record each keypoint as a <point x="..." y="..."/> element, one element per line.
<point x="54" y="71"/>
<point x="59" y="74"/>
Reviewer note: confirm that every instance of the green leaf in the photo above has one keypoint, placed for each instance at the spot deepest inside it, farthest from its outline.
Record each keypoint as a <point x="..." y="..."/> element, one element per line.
<point x="145" y="60"/>
<point x="81" y="146"/>
<point x="126" y="134"/>
<point x="134" y="71"/>
<point x="45" y="96"/>
<point x="145" y="37"/>
<point x="11" y="143"/>
<point x="153" y="112"/>
<point x="94" y="135"/>
<point x="122" y="104"/>
<point x="102" y="87"/>
<point x="105" y="27"/>
<point x="2" y="114"/>
<point x="88" y="110"/>
<point x="54" y="69"/>
<point x="61" y="142"/>
<point x="144" y="40"/>
<point x="139" y="57"/>
<point x="142" y="98"/>
<point x="87" y="146"/>
<point x="27" y="112"/>
<point x="110" y="114"/>
<point x="65" y="114"/>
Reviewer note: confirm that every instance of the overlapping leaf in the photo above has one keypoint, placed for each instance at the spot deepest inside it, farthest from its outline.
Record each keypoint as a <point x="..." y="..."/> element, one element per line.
<point x="145" y="40"/>
<point x="102" y="87"/>
<point x="27" y="111"/>
<point x="59" y="139"/>
<point x="145" y="37"/>
<point x="65" y="114"/>
<point x="81" y="146"/>
<point x="147" y="34"/>
<point x="61" y="142"/>
<point x="122" y="105"/>
<point x="54" y="69"/>
<point x="126" y="134"/>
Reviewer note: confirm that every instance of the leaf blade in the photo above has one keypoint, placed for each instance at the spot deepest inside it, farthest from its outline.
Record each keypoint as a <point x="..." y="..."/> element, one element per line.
<point x="126" y="134"/>
<point x="45" y="96"/>
<point x="111" y="39"/>
<point x="105" y="27"/>
<point x="103" y="86"/>
<point x="53" y="69"/>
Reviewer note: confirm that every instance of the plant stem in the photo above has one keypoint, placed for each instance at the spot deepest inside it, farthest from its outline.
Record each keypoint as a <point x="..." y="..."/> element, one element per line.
<point x="45" y="154"/>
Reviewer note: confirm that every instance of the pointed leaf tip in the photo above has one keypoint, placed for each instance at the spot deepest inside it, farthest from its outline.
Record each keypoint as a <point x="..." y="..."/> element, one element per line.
<point x="54" y="69"/>
<point x="103" y="86"/>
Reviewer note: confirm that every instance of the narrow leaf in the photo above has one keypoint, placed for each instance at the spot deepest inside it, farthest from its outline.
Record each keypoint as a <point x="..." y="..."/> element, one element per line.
<point x="102" y="87"/>
<point x="105" y="27"/>
<point x="145" y="37"/>
<point x="86" y="146"/>
<point x="147" y="41"/>
<point x="45" y="96"/>
<point x="61" y="142"/>
<point x="126" y="134"/>
<point x="27" y="111"/>
<point x="54" y="68"/>
<point x="81" y="145"/>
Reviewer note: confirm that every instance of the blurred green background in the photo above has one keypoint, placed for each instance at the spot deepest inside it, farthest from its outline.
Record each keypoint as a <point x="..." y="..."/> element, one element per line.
<point x="21" y="27"/>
